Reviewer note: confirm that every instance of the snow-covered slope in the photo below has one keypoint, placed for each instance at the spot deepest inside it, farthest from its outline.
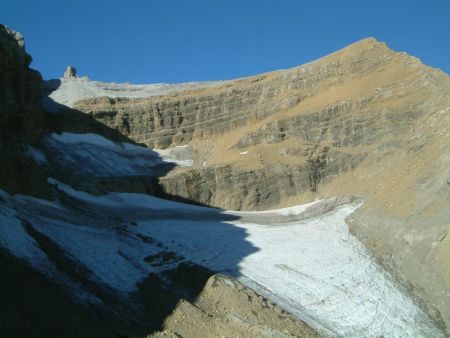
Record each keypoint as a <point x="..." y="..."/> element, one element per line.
<point x="96" y="156"/>
<point x="304" y="258"/>
<point x="67" y="91"/>
<point x="312" y="267"/>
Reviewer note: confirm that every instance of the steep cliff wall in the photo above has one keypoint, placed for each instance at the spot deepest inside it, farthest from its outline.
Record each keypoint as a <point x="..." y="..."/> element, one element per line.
<point x="21" y="119"/>
<point x="178" y="118"/>
<point x="286" y="131"/>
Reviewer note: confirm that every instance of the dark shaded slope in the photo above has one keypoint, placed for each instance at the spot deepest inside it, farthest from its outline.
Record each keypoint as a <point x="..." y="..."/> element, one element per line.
<point x="21" y="119"/>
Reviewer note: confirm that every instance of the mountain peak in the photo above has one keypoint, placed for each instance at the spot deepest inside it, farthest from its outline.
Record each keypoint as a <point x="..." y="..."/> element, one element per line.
<point x="366" y="45"/>
<point x="369" y="41"/>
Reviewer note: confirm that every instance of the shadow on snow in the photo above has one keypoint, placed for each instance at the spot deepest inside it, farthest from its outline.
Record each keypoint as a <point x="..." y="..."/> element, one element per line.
<point x="94" y="246"/>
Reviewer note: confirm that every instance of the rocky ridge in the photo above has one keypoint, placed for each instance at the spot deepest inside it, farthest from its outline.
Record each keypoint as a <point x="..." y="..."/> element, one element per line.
<point x="21" y="118"/>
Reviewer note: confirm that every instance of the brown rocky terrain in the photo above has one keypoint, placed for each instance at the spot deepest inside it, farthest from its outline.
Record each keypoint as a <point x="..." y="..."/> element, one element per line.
<point x="226" y="308"/>
<point x="365" y="121"/>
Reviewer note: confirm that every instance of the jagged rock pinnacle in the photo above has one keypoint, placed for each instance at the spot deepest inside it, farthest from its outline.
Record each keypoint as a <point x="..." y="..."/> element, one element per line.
<point x="70" y="72"/>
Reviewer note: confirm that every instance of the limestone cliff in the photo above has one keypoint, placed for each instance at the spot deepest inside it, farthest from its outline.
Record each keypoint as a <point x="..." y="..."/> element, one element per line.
<point x="365" y="120"/>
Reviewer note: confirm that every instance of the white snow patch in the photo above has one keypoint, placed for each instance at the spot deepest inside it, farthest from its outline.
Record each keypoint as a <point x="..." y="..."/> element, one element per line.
<point x="98" y="140"/>
<point x="314" y="268"/>
<point x="117" y="261"/>
<point x="16" y="240"/>
<point x="294" y="210"/>
<point x="71" y="90"/>
<point x="102" y="157"/>
<point x="128" y="200"/>
<point x="71" y="138"/>
<point x="179" y="155"/>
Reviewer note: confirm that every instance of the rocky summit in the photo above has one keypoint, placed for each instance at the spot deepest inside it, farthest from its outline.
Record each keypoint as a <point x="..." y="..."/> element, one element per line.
<point x="140" y="194"/>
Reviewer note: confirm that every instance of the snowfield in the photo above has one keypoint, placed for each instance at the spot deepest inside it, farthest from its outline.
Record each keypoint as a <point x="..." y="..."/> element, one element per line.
<point x="304" y="258"/>
<point x="95" y="156"/>
<point x="68" y="91"/>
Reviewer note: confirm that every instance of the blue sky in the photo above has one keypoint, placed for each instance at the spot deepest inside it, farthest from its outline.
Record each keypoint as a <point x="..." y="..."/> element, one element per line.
<point x="146" y="41"/>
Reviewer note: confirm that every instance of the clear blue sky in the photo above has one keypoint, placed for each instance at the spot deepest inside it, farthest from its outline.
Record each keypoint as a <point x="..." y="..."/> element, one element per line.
<point x="146" y="41"/>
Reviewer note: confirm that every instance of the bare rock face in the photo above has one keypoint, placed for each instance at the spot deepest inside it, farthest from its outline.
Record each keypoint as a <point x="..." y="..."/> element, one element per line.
<point x="70" y="72"/>
<point x="226" y="308"/>
<point x="19" y="87"/>
<point x="365" y="120"/>
<point x="21" y="120"/>
<point x="295" y="128"/>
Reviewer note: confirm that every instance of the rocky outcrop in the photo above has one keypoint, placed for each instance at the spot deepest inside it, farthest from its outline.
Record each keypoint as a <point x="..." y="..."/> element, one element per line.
<point x="21" y="120"/>
<point x="226" y="308"/>
<point x="257" y="189"/>
<point x="20" y="90"/>
<point x="70" y="72"/>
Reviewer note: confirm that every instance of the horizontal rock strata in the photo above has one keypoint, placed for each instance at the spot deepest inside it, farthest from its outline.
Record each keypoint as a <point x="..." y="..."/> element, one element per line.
<point x="365" y="120"/>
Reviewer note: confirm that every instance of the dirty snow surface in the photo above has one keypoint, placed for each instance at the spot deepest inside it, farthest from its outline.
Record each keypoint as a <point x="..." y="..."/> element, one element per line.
<point x="95" y="156"/>
<point x="67" y="91"/>
<point x="303" y="258"/>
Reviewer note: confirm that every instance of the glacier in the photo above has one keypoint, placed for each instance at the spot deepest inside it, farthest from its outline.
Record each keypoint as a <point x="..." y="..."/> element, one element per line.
<point x="303" y="258"/>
